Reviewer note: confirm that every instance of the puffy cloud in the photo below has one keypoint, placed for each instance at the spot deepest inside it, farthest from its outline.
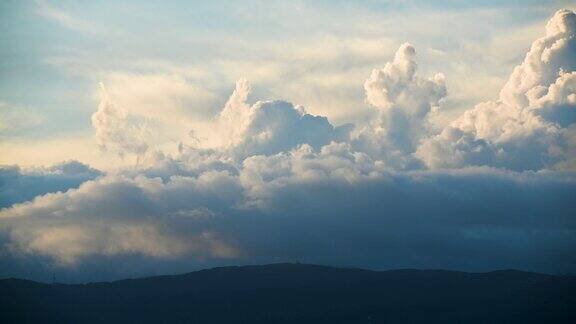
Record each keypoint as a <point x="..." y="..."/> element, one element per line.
<point x="272" y="126"/>
<point x="404" y="102"/>
<point x="330" y="206"/>
<point x="531" y="126"/>
<point x="334" y="161"/>
<point x="239" y="130"/>
<point x="118" y="131"/>
<point x="117" y="215"/>
<point x="547" y="57"/>
<point x="558" y="104"/>
<point x="277" y="184"/>
<point x="189" y="161"/>
<point x="19" y="185"/>
<point x="491" y="134"/>
<point x="144" y="111"/>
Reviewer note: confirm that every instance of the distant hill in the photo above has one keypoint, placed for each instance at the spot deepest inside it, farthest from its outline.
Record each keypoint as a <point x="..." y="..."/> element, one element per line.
<point x="298" y="293"/>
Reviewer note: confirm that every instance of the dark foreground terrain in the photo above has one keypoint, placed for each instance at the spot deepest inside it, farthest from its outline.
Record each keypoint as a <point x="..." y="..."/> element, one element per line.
<point x="297" y="293"/>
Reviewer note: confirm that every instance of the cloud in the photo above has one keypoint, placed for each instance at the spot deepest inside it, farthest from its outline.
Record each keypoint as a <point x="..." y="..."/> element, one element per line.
<point x="239" y="130"/>
<point x="190" y="161"/>
<point x="65" y="19"/>
<point x="118" y="131"/>
<point x="168" y="97"/>
<point x="260" y="174"/>
<point x="272" y="126"/>
<point x="531" y="126"/>
<point x="557" y="105"/>
<point x="329" y="206"/>
<point x="473" y="218"/>
<point x="19" y="185"/>
<point x="404" y="102"/>
<point x="116" y="215"/>
<point x="266" y="181"/>
<point x="547" y="57"/>
<point x="16" y="120"/>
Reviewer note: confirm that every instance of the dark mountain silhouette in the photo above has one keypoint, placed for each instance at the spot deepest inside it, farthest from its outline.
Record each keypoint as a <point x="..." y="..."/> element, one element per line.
<point x="298" y="293"/>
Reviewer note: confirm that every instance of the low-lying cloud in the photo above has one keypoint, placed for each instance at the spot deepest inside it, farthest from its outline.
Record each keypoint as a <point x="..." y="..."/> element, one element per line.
<point x="18" y="185"/>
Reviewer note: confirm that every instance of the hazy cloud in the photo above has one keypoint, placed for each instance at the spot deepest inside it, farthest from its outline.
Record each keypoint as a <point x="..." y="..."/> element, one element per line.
<point x="64" y="18"/>
<point x="118" y="131"/>
<point x="15" y="121"/>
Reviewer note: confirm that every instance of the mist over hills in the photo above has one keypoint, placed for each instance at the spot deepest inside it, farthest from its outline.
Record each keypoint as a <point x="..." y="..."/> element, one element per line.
<point x="298" y="293"/>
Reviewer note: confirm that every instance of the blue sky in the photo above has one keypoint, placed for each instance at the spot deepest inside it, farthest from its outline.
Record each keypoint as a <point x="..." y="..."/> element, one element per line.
<point x="168" y="136"/>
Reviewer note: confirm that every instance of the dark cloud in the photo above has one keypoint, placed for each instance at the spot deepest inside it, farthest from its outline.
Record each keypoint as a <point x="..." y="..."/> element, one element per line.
<point x="18" y="185"/>
<point x="310" y="211"/>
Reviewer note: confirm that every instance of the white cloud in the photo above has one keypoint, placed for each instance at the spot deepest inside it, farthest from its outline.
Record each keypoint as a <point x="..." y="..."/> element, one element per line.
<point x="547" y="57"/>
<point x="117" y="215"/>
<point x="559" y="102"/>
<point x="65" y="18"/>
<point x="118" y="131"/>
<point x="16" y="120"/>
<point x="170" y="98"/>
<point x="404" y="102"/>
<point x="239" y="130"/>
<point x="269" y="127"/>
<point x="260" y="174"/>
<point x="529" y="127"/>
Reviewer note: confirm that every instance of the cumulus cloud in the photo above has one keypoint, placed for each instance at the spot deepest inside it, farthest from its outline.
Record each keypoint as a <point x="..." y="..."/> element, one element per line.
<point x="404" y="102"/>
<point x="260" y="174"/>
<point x="189" y="161"/>
<point x="115" y="215"/>
<point x="116" y="130"/>
<point x="239" y="130"/>
<point x="547" y="57"/>
<point x="271" y="126"/>
<point x="278" y="184"/>
<point x="531" y="125"/>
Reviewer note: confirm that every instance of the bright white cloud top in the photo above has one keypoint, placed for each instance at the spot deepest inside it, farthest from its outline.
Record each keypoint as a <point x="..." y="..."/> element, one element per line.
<point x="266" y="181"/>
<point x="532" y="125"/>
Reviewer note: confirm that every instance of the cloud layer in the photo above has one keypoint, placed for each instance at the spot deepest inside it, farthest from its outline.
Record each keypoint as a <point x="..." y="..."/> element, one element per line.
<point x="19" y="185"/>
<point x="266" y="182"/>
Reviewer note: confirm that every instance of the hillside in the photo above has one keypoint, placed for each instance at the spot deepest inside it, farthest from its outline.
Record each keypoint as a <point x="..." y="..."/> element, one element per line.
<point x="297" y="293"/>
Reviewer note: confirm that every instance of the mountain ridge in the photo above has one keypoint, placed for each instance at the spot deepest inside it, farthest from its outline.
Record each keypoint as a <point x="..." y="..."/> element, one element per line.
<point x="295" y="292"/>
<point x="296" y="264"/>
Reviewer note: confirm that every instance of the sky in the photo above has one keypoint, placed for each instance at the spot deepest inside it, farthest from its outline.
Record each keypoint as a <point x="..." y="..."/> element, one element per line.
<point x="157" y="137"/>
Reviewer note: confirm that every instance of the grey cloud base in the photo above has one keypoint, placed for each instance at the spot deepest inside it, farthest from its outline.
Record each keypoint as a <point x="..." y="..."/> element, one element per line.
<point x="19" y="185"/>
<point x="473" y="219"/>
